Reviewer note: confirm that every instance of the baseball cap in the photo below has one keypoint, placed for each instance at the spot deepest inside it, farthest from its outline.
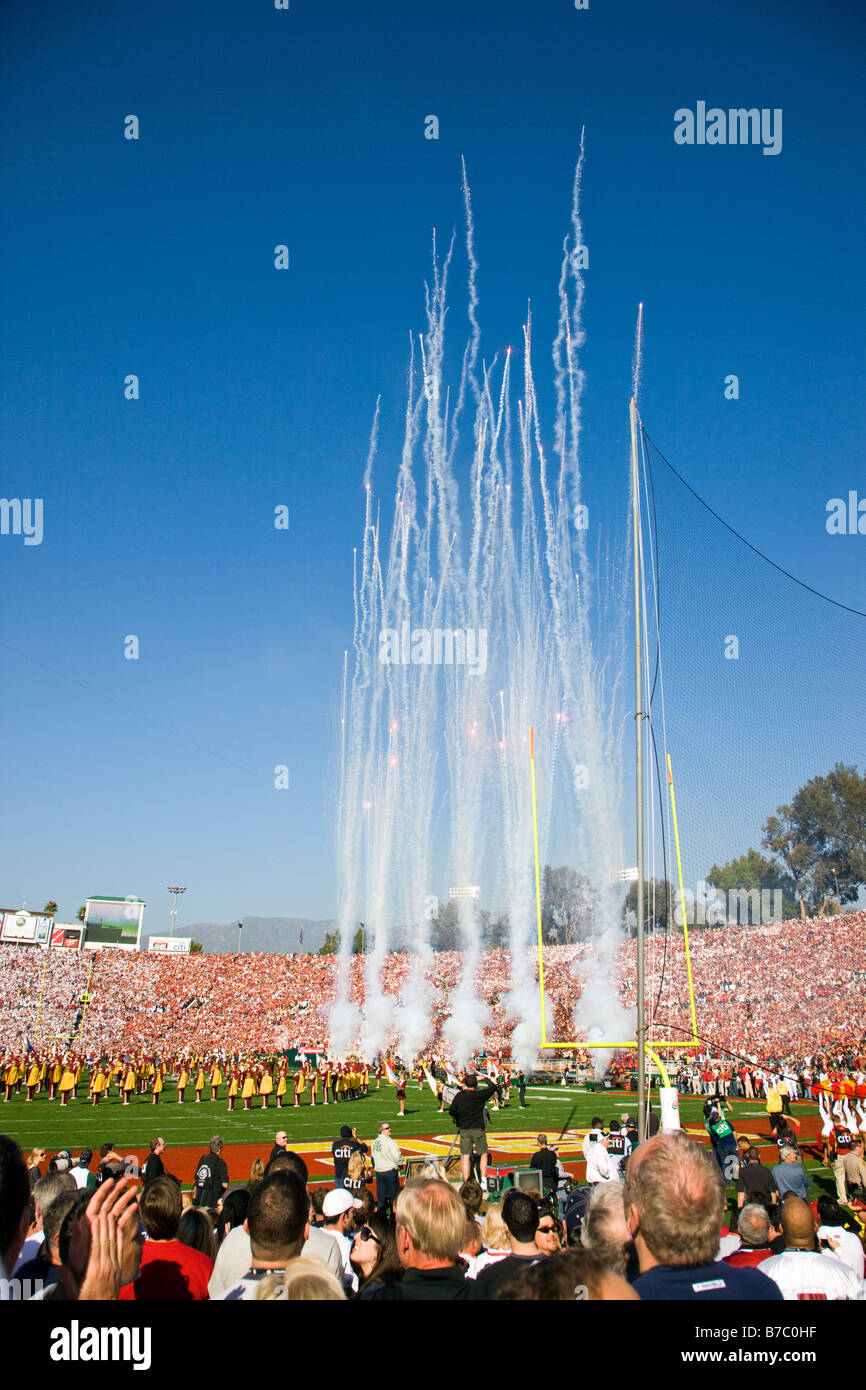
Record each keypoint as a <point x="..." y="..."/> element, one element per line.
<point x="338" y="1201"/>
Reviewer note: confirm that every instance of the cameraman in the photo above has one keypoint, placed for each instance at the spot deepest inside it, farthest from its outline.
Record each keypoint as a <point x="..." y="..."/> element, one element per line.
<point x="467" y="1112"/>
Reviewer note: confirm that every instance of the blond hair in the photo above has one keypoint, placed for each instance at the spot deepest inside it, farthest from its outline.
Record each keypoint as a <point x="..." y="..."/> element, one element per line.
<point x="495" y="1231"/>
<point x="433" y="1216"/>
<point x="306" y="1279"/>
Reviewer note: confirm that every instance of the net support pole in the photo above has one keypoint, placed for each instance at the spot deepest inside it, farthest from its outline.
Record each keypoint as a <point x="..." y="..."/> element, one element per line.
<point x="638" y="726"/>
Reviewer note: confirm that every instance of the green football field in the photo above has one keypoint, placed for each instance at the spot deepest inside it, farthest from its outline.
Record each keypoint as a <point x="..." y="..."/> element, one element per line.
<point x="549" y="1110"/>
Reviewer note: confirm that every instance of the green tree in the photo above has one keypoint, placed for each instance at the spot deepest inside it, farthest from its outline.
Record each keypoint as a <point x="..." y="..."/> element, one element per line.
<point x="50" y="909"/>
<point x="195" y="947"/>
<point x="821" y="839"/>
<point x="359" y="942"/>
<point x="753" y="871"/>
<point x="81" y="912"/>
<point x="331" y="944"/>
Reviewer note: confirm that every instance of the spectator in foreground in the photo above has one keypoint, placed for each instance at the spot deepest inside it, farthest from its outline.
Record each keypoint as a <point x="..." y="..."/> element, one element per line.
<point x="170" y="1269"/>
<point x="14" y="1202"/>
<point x="430" y="1223"/>
<point x="374" y="1254"/>
<point x="277" y="1223"/>
<point x="195" y="1229"/>
<point x="235" y="1253"/>
<point x="44" y="1193"/>
<point x="565" y="1277"/>
<point x="802" y="1271"/>
<point x="755" y="1231"/>
<point x="305" y="1280"/>
<point x="839" y="1233"/>
<point x="520" y="1217"/>
<point x="605" y="1232"/>
<point x="674" y="1199"/>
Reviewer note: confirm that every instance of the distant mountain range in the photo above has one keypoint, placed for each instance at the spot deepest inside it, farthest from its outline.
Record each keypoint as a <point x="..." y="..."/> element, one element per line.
<point x="277" y="935"/>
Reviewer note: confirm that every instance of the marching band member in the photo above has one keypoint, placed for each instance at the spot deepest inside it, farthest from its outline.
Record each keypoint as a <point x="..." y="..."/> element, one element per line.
<point x="234" y="1082"/>
<point x="216" y="1078"/>
<point x="250" y="1086"/>
<point x="266" y="1086"/>
<point x="182" y="1080"/>
<point x="199" y="1081"/>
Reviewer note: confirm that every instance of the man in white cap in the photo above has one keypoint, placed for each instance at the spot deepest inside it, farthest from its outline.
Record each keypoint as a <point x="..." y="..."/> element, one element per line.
<point x="338" y="1211"/>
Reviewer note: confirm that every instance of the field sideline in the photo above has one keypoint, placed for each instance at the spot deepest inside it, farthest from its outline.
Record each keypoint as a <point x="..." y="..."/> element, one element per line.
<point x="248" y="1134"/>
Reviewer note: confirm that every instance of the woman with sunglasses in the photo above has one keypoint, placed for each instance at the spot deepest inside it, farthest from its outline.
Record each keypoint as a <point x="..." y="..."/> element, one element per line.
<point x="374" y="1254"/>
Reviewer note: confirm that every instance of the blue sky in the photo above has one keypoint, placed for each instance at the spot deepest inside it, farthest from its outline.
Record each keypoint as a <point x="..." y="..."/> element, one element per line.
<point x="155" y="257"/>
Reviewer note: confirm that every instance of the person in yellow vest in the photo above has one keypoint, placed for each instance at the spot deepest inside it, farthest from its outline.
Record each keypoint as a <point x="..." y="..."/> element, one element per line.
<point x="54" y="1075"/>
<point x="216" y="1080"/>
<point x="156" y="1084"/>
<point x="199" y="1082"/>
<point x="43" y="1072"/>
<point x="182" y="1080"/>
<point x="266" y="1086"/>
<point x="98" y="1083"/>
<point x="234" y="1082"/>
<point x="340" y="1082"/>
<point x="32" y="1078"/>
<point x="774" y="1107"/>
<point x="67" y="1081"/>
<point x="249" y="1087"/>
<point x="365" y="1078"/>
<point x="281" y="1082"/>
<point x="130" y="1081"/>
<point x="300" y="1083"/>
<point x="147" y="1070"/>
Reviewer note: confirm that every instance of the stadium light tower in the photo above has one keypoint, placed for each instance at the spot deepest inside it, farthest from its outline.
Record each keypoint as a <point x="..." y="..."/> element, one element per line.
<point x="177" y="892"/>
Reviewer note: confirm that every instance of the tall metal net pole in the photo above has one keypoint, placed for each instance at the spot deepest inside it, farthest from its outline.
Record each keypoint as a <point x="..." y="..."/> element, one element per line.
<point x="638" y="724"/>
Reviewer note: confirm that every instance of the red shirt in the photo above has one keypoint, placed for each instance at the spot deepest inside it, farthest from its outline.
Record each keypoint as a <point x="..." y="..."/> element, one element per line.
<point x="170" y="1272"/>
<point x="748" y="1258"/>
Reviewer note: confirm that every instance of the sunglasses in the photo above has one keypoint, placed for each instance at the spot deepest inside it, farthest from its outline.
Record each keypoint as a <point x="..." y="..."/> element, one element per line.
<point x="366" y="1234"/>
<point x="546" y="1230"/>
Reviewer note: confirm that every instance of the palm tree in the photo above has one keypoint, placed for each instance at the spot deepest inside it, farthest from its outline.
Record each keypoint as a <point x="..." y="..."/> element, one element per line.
<point x="50" y="909"/>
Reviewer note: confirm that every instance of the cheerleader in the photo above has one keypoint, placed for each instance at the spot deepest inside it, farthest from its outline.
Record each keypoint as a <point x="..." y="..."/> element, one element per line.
<point x="67" y="1082"/>
<point x="249" y="1088"/>
<point x="32" y="1079"/>
<point x="156" y="1084"/>
<point x="440" y="1096"/>
<point x="216" y="1080"/>
<point x="266" y="1086"/>
<point x="199" y="1082"/>
<point x="130" y="1083"/>
<point x="281" y="1084"/>
<point x="182" y="1080"/>
<point x="826" y="1124"/>
<point x="54" y="1073"/>
<point x="401" y="1093"/>
<point x="233" y="1087"/>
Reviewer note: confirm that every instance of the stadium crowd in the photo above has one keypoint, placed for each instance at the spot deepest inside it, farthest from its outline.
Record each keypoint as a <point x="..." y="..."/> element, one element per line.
<point x="785" y="989"/>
